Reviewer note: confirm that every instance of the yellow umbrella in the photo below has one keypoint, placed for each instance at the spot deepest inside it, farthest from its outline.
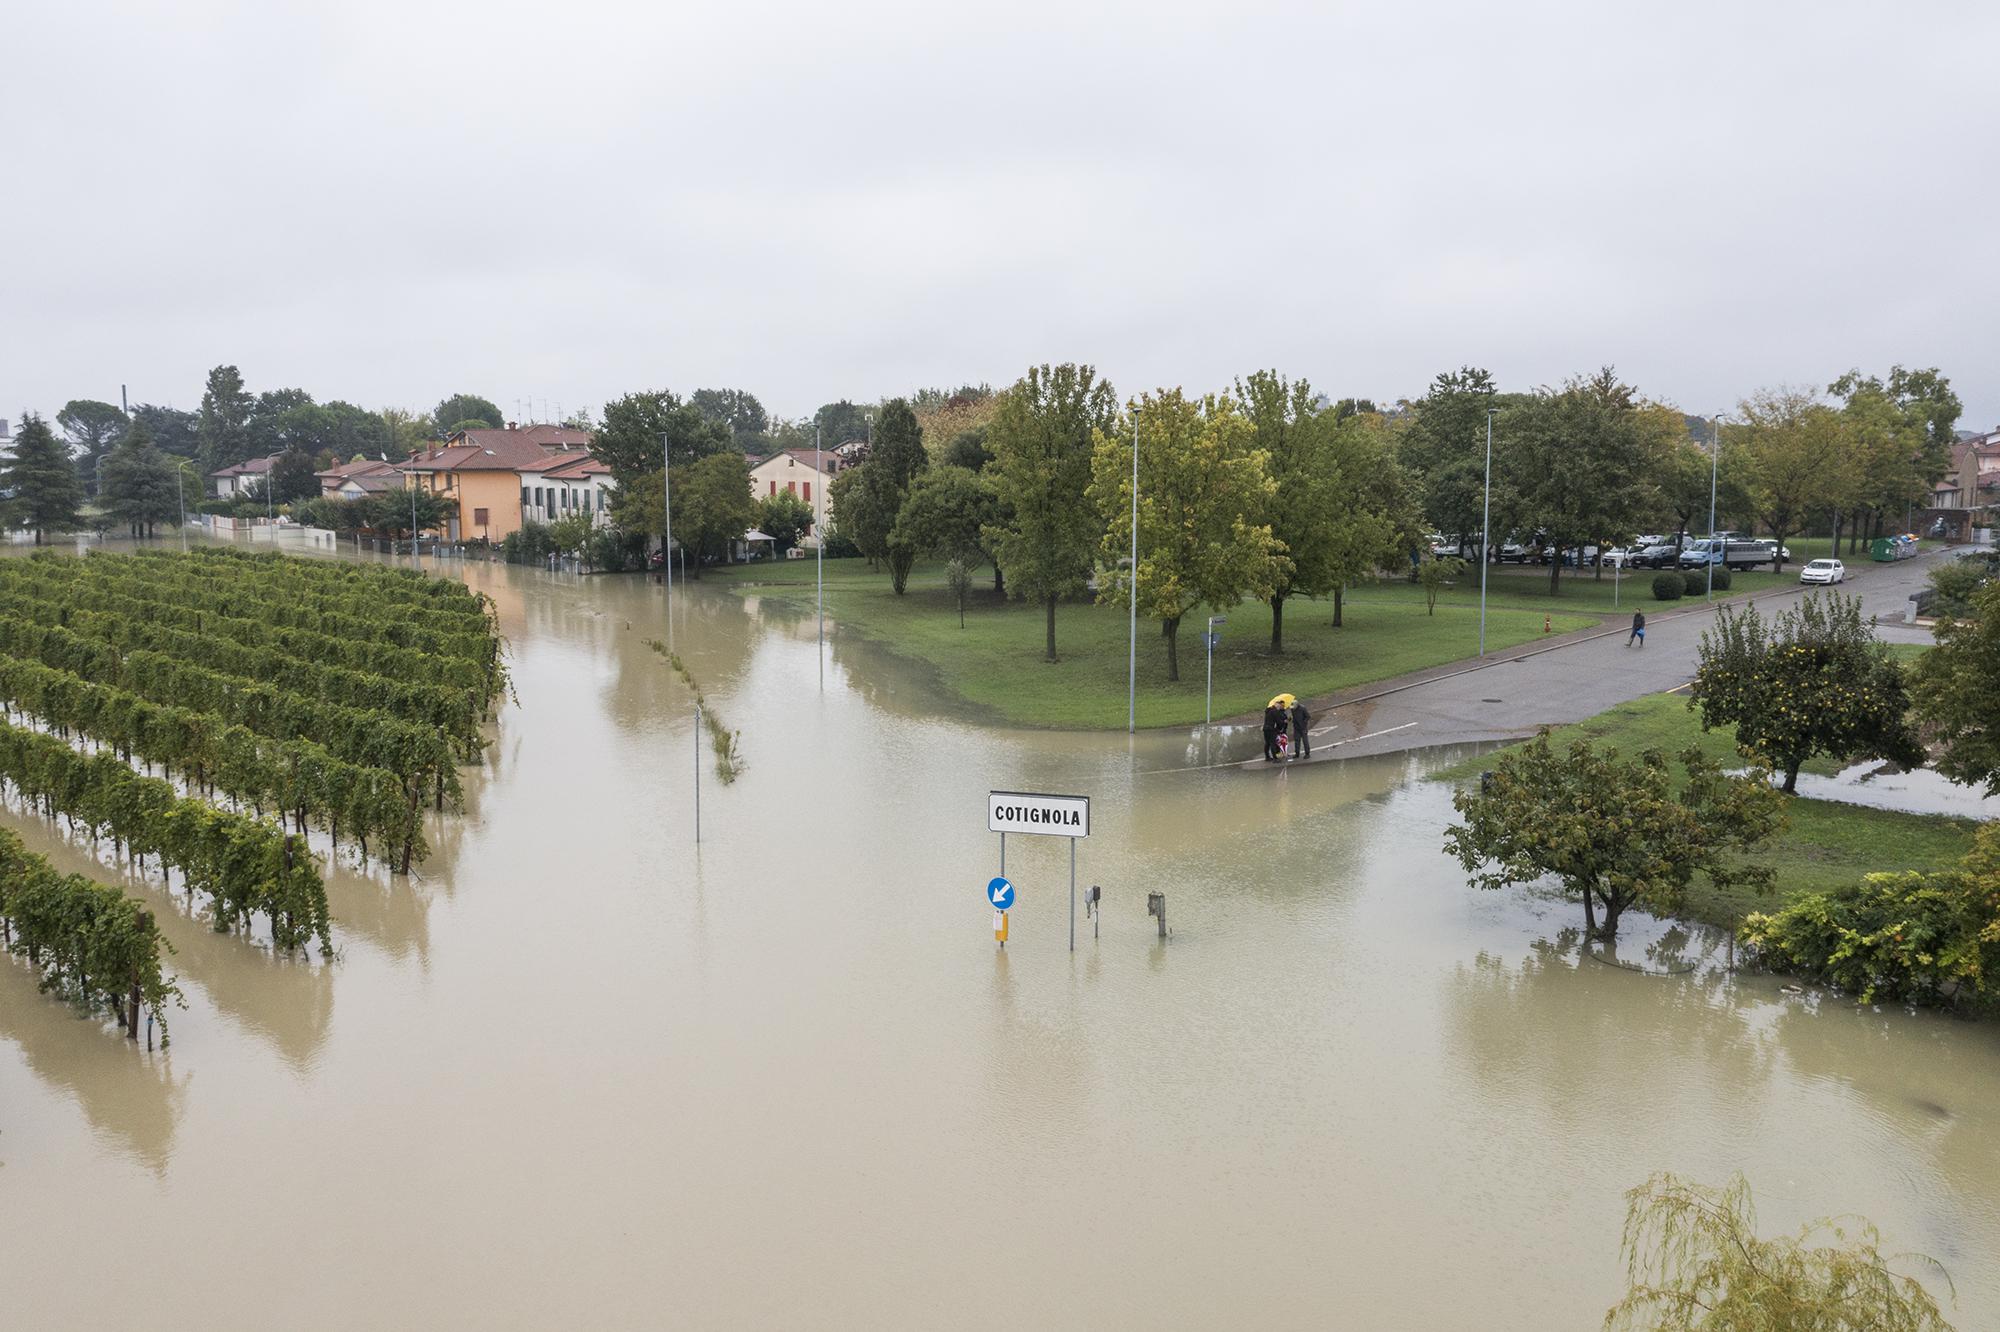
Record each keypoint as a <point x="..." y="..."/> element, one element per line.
<point x="1282" y="701"/>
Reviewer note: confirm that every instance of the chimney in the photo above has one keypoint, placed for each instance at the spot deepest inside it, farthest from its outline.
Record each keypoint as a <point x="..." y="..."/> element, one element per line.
<point x="513" y="426"/>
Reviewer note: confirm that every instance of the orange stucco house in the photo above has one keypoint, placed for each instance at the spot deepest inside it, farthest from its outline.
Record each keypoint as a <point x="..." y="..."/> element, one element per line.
<point x="480" y="469"/>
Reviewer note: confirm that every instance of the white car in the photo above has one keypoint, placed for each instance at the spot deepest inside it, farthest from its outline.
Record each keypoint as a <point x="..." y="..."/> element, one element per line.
<point x="1824" y="571"/>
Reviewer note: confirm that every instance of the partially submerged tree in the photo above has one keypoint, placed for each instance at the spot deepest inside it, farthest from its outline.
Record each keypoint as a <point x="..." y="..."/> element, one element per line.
<point x="1816" y="681"/>
<point x="712" y="506"/>
<point x="1042" y="436"/>
<point x="93" y="429"/>
<point x="1203" y="493"/>
<point x="45" y="493"/>
<point x="1694" y="1263"/>
<point x="1614" y="832"/>
<point x="138" y="483"/>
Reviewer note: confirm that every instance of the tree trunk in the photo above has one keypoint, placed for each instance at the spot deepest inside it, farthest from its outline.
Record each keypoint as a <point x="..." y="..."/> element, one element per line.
<point x="1337" y="593"/>
<point x="999" y="581"/>
<point x="1555" y="570"/>
<point x="1277" y="622"/>
<point x="1172" y="626"/>
<point x="1589" y="914"/>
<point x="1051" y="603"/>
<point x="1791" y="785"/>
<point x="1609" y="929"/>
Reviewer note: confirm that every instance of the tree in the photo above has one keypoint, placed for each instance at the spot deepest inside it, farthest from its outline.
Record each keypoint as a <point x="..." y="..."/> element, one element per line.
<point x="968" y="450"/>
<point x="950" y="512"/>
<point x="1433" y="574"/>
<point x="1203" y="493"/>
<point x="840" y="422"/>
<point x="958" y="577"/>
<point x="737" y="410"/>
<point x="45" y="494"/>
<point x="292" y="477"/>
<point x="390" y="511"/>
<point x="1694" y="1263"/>
<point x="1817" y="682"/>
<point x="225" y="419"/>
<point x="404" y="432"/>
<point x="1293" y="437"/>
<point x="1043" y="436"/>
<point x="1611" y="831"/>
<point x="570" y="534"/>
<point x="466" y="411"/>
<point x="175" y="432"/>
<point x="139" y="488"/>
<point x="92" y="428"/>
<point x="1446" y="446"/>
<point x="1576" y="461"/>
<point x="629" y="441"/>
<point x="1378" y="507"/>
<point x="1957" y="689"/>
<point x="785" y="518"/>
<point x="895" y="460"/>
<point x="1778" y="449"/>
<point x="712" y="506"/>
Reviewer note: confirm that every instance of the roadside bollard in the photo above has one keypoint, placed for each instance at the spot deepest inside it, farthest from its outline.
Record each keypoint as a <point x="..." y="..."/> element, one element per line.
<point x="1156" y="906"/>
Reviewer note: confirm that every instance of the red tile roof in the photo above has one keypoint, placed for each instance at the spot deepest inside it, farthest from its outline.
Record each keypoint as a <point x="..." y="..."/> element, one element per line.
<point x="249" y="467"/>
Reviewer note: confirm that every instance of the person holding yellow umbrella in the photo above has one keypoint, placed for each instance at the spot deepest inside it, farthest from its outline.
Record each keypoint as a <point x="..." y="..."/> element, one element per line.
<point x="1277" y="713"/>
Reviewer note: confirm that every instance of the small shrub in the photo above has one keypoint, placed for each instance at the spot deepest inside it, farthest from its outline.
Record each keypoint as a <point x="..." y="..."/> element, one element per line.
<point x="1668" y="587"/>
<point x="1694" y="582"/>
<point x="1721" y="579"/>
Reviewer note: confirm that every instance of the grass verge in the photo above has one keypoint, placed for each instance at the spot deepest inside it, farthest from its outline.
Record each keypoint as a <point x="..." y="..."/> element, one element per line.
<point x="996" y="662"/>
<point x="1825" y="845"/>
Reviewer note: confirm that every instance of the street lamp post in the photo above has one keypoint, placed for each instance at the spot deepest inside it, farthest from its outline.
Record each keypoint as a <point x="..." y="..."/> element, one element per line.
<point x="819" y="559"/>
<point x="667" y="537"/>
<point x="1132" y="647"/>
<point x="1714" y="458"/>
<point x="1485" y="535"/>
<point x="1208" y="639"/>
<point x="416" y="551"/>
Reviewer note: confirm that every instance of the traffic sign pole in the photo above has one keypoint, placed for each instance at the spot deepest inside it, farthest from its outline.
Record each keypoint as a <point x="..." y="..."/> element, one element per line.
<point x="1072" y="894"/>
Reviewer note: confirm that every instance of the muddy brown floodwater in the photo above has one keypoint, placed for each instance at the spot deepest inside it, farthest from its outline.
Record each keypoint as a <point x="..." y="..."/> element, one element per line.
<point x="579" y="1074"/>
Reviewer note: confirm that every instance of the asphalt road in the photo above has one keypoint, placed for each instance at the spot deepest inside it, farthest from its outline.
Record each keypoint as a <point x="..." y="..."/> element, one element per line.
<point x="1570" y="679"/>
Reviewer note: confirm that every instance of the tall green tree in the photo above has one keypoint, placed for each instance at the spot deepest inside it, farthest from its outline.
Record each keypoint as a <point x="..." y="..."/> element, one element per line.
<point x="1957" y="691"/>
<point x="173" y="431"/>
<point x="45" y="491"/>
<point x="895" y="460"/>
<point x="292" y="477"/>
<point x="1816" y="681"/>
<point x="226" y="409"/>
<point x="1576" y="461"/>
<point x="1043" y="436"/>
<point x="630" y="438"/>
<point x="92" y="428"/>
<point x="839" y="423"/>
<point x="1204" y="492"/>
<point x="1306" y="513"/>
<point x="403" y="433"/>
<point x="139" y="488"/>
<point x="1779" y="450"/>
<point x="859" y="511"/>
<point x="1446" y="446"/>
<point x="736" y="409"/>
<point x="949" y="512"/>
<point x="1695" y="1263"/>
<point x="1377" y="503"/>
<point x="712" y="505"/>
<point x="785" y="518"/>
<point x="462" y="411"/>
<point x="1614" y="832"/>
<point x="391" y="511"/>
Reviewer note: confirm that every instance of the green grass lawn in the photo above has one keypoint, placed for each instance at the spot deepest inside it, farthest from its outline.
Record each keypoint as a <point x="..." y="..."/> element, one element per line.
<point x="1527" y="587"/>
<point x="996" y="662"/>
<point x="1824" y="845"/>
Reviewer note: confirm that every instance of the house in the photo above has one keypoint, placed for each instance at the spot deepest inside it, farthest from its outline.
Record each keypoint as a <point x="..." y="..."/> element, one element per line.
<point x="480" y="470"/>
<point x="802" y="472"/>
<point x="1967" y="495"/>
<point x="359" y="479"/>
<point x="568" y="480"/>
<point x="241" y="478"/>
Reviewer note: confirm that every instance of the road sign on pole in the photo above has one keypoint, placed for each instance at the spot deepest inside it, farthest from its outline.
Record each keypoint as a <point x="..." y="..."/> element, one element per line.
<point x="1000" y="893"/>
<point x="1045" y="815"/>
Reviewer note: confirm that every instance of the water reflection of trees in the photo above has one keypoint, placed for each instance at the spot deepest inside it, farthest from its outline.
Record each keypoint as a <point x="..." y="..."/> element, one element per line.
<point x="129" y="1097"/>
<point x="1569" y="1032"/>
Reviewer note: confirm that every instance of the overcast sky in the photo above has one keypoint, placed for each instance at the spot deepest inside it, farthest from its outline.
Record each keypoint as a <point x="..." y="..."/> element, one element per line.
<point x="390" y="200"/>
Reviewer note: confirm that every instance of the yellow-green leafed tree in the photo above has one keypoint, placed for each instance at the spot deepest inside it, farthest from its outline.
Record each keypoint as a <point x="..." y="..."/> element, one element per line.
<point x="1204" y="488"/>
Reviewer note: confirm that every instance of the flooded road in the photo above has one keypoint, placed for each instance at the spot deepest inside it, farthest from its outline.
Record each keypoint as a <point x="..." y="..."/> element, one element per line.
<point x="582" y="1073"/>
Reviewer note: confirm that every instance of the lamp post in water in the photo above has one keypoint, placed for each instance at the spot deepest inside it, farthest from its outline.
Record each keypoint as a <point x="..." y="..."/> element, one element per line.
<point x="1485" y="536"/>
<point x="667" y="545"/>
<point x="819" y="559"/>
<point x="1210" y="639"/>
<point x="1132" y="649"/>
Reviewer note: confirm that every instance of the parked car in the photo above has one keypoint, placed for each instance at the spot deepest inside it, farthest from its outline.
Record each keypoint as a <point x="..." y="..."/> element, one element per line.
<point x="1724" y="551"/>
<point x="1823" y="571"/>
<point x="1619" y="558"/>
<point x="1513" y="552"/>
<point x="1659" y="555"/>
<point x="1776" y="551"/>
<point x="1444" y="545"/>
<point x="1650" y="539"/>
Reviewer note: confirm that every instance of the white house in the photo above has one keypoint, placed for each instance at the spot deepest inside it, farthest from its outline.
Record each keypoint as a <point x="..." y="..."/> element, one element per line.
<point x="241" y="478"/>
<point x="568" y="480"/>
<point x="800" y="472"/>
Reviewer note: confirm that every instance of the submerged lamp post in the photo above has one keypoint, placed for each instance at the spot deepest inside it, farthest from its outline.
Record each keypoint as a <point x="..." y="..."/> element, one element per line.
<point x="1210" y="639"/>
<point x="1485" y="536"/>
<point x="819" y="559"/>
<point x="667" y="537"/>
<point x="1132" y="649"/>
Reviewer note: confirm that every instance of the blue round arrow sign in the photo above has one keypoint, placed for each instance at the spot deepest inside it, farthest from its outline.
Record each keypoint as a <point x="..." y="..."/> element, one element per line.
<point x="1000" y="893"/>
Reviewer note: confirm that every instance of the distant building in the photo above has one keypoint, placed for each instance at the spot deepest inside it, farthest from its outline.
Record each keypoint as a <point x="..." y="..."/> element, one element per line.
<point x="241" y="478"/>
<point x="1968" y="495"/>
<point x="567" y="481"/>
<point x="801" y="472"/>
<point x="358" y="479"/>
<point x="482" y="471"/>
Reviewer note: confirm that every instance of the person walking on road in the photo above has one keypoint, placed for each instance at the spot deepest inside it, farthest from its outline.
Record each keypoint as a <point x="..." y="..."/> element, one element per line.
<point x="1638" y="629"/>
<point x="1302" y="745"/>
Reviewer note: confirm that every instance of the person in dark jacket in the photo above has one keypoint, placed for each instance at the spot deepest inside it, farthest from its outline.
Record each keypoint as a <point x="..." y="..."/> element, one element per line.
<point x="1273" y="721"/>
<point x="1302" y="745"/>
<point x="1638" y="629"/>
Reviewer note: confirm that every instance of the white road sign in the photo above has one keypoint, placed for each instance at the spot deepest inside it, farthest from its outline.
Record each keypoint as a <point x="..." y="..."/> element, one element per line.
<point x="1045" y="815"/>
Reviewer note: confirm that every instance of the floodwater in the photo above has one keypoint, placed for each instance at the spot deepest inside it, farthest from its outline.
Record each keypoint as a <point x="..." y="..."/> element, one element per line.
<point x="580" y="1073"/>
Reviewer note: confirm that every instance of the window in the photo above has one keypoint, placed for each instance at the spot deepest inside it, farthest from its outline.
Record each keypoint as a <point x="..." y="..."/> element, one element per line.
<point x="524" y="497"/>
<point x="791" y="487"/>
<point x="479" y="517"/>
<point x="809" y="492"/>
<point x="774" y="487"/>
